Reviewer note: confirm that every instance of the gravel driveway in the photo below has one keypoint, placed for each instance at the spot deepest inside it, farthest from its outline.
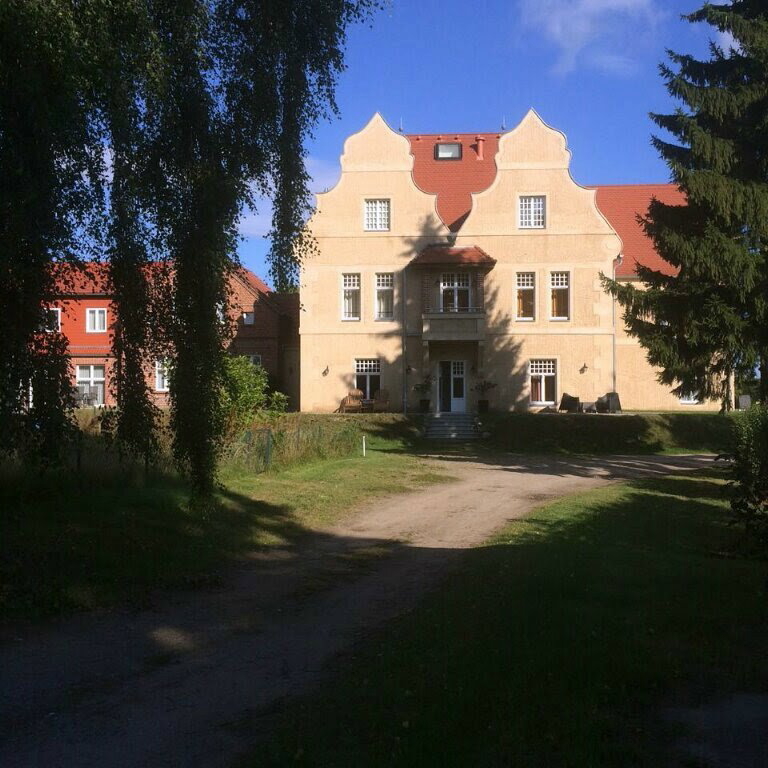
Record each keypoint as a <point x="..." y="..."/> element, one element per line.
<point x="183" y="684"/>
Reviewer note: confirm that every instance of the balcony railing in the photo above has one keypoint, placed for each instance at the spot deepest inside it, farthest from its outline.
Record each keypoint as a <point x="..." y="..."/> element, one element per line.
<point x="464" y="324"/>
<point x="453" y="310"/>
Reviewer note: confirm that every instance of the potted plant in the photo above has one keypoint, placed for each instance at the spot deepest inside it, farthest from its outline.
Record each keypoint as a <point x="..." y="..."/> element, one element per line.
<point x="482" y="388"/>
<point x="424" y="388"/>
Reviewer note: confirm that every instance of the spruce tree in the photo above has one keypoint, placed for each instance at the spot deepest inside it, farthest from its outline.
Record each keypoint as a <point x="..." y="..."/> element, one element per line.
<point x="708" y="319"/>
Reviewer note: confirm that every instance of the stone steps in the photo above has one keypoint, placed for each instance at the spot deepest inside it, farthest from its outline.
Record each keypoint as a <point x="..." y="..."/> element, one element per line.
<point x="451" y="426"/>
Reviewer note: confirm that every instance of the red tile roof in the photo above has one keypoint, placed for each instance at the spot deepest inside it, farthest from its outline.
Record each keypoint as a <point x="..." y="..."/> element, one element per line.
<point x="255" y="282"/>
<point x="93" y="279"/>
<point x="454" y="181"/>
<point x="445" y="255"/>
<point x="621" y="204"/>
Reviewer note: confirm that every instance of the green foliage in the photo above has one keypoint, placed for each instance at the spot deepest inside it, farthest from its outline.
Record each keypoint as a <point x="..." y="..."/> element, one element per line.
<point x="709" y="318"/>
<point x="245" y="393"/>
<point x="749" y="490"/>
<point x="49" y="199"/>
<point x="610" y="434"/>
<point x="142" y="131"/>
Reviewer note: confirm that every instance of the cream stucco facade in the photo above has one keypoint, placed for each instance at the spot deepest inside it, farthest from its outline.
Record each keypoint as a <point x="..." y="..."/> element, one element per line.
<point x="454" y="309"/>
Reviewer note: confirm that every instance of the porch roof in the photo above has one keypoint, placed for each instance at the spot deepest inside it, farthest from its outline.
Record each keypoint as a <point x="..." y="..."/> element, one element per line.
<point x="453" y="256"/>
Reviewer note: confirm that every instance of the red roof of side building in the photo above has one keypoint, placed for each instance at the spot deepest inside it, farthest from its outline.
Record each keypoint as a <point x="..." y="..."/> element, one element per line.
<point x="445" y="255"/>
<point x="255" y="282"/>
<point x="93" y="279"/>
<point x="454" y="181"/>
<point x="621" y="204"/>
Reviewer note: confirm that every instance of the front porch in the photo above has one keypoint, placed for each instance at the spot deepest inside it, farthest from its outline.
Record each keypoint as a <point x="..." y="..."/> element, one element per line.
<point x="455" y="368"/>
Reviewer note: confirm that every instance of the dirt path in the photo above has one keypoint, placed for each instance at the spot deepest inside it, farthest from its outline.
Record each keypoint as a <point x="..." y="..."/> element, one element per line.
<point x="183" y="684"/>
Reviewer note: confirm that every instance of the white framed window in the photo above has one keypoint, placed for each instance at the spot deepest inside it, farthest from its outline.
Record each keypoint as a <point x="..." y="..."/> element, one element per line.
<point x="95" y="320"/>
<point x="690" y="398"/>
<point x="376" y="215"/>
<point x="368" y="376"/>
<point x="526" y="296"/>
<point x="255" y="359"/>
<point x="385" y="295"/>
<point x="51" y="320"/>
<point x="533" y="214"/>
<point x="249" y="318"/>
<point x="350" y="296"/>
<point x="90" y="384"/>
<point x="162" y="375"/>
<point x="455" y="292"/>
<point x="560" y="295"/>
<point x="542" y="379"/>
<point x="449" y="150"/>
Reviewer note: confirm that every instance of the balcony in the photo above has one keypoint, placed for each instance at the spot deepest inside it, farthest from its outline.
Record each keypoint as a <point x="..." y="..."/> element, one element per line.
<point x="455" y="324"/>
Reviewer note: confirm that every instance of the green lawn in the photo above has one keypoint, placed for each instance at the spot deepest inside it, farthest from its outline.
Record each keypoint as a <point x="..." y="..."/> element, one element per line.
<point x="72" y="542"/>
<point x="554" y="645"/>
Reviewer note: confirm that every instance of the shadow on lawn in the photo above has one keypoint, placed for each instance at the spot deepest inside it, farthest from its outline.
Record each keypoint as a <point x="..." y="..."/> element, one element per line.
<point x="553" y="645"/>
<point x="68" y="544"/>
<point x="549" y="646"/>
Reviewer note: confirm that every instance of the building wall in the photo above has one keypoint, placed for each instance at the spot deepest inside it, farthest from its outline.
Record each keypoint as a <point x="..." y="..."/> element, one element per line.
<point x="531" y="160"/>
<point x="265" y="337"/>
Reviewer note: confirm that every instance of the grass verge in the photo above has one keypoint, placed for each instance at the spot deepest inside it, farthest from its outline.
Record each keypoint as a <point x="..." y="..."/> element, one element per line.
<point x="71" y="542"/>
<point x="638" y="433"/>
<point x="554" y="643"/>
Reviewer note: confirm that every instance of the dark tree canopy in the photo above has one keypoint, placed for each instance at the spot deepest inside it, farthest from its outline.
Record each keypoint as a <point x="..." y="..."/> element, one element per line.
<point x="709" y="320"/>
<point x="138" y="131"/>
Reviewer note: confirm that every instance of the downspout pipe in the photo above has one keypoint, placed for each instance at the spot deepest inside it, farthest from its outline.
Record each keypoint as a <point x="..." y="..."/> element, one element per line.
<point x="404" y="302"/>
<point x="616" y="263"/>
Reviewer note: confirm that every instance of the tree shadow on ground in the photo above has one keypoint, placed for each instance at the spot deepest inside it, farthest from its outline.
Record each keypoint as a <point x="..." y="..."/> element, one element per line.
<point x="553" y="645"/>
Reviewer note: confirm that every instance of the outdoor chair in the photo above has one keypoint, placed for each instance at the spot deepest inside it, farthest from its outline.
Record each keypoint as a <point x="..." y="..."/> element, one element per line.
<point x="352" y="403"/>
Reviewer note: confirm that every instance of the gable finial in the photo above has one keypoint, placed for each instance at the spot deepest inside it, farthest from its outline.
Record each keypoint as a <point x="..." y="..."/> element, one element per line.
<point x="503" y="122"/>
<point x="401" y="125"/>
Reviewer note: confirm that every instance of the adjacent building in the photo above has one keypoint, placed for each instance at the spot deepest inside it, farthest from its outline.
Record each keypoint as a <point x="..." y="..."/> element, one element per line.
<point x="446" y="261"/>
<point x="265" y="330"/>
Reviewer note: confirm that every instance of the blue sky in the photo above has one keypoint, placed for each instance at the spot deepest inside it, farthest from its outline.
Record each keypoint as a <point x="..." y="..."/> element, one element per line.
<point x="588" y="67"/>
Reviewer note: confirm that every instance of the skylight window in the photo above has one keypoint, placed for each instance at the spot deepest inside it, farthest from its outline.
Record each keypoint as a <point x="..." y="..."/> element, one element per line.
<point x="448" y="151"/>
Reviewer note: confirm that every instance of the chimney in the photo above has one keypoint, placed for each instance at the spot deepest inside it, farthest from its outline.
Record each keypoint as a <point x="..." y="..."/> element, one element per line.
<point x="480" y="143"/>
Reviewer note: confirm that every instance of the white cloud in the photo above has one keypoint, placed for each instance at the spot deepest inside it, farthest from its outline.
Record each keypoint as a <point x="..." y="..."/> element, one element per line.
<point x="595" y="33"/>
<point x="258" y="221"/>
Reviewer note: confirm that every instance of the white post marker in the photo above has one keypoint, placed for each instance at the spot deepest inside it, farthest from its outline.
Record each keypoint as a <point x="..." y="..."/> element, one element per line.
<point x="363" y="446"/>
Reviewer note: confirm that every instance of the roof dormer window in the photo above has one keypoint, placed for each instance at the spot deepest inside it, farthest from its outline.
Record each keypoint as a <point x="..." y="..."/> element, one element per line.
<point x="448" y="150"/>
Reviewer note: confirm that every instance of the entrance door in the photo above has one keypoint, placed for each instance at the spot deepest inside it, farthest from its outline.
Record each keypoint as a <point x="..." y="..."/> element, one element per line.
<point x="452" y="387"/>
<point x="458" y="393"/>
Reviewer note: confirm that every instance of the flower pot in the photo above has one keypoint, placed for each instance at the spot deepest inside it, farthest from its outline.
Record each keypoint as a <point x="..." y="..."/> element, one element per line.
<point x="482" y="406"/>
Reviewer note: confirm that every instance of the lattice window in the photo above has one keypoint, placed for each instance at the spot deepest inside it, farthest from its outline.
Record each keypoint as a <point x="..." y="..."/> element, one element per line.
<point x="526" y="295"/>
<point x="532" y="212"/>
<point x="457" y="367"/>
<point x="560" y="289"/>
<point x="542" y="375"/>
<point x="368" y="365"/>
<point x="385" y="295"/>
<point x="376" y="216"/>
<point x="350" y="284"/>
<point x="454" y="292"/>
<point x="368" y="376"/>
<point x="543" y="366"/>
